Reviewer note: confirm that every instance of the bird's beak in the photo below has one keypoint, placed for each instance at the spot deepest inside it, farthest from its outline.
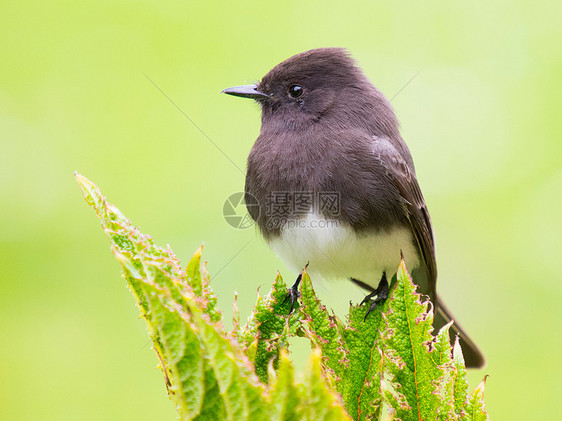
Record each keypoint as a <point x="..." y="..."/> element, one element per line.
<point x="246" y="91"/>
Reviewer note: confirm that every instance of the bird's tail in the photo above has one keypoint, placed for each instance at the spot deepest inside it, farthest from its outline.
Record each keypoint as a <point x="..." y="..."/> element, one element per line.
<point x="473" y="357"/>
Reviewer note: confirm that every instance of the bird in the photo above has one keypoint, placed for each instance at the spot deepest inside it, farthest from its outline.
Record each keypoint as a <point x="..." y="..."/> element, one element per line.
<point x="331" y="183"/>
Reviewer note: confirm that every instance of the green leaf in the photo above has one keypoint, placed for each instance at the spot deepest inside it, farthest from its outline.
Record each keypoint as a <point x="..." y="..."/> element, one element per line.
<point x="207" y="374"/>
<point x="322" y="329"/>
<point x="360" y="384"/>
<point x="284" y="395"/>
<point x="460" y="384"/>
<point x="442" y="356"/>
<point x="474" y="409"/>
<point x="269" y="327"/>
<point x="199" y="283"/>
<point x="394" y="404"/>
<point x="408" y="333"/>
<point x="319" y="402"/>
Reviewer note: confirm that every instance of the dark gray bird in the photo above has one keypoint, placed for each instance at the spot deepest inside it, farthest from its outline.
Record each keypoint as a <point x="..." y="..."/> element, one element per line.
<point x="330" y="180"/>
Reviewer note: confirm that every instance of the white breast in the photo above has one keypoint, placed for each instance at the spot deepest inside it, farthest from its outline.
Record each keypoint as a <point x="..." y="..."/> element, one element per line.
<point x="335" y="251"/>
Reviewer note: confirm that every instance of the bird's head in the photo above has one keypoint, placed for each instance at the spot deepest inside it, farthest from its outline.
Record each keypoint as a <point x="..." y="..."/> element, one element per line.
<point x="316" y="86"/>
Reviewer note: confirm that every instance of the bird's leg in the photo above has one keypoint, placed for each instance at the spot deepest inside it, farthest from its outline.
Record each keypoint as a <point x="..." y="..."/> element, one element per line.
<point x="293" y="294"/>
<point x="381" y="293"/>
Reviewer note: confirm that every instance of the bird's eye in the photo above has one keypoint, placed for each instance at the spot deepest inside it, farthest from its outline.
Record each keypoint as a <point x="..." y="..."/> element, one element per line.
<point x="295" y="91"/>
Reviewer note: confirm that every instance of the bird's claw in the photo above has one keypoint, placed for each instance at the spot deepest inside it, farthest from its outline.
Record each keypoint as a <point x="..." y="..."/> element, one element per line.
<point x="293" y="294"/>
<point x="381" y="294"/>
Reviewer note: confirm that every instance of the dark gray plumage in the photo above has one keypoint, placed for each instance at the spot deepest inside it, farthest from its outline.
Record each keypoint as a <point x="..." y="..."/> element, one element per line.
<point x="326" y="128"/>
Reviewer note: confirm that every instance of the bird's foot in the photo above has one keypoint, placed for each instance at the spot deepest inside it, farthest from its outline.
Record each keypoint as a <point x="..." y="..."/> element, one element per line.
<point x="381" y="294"/>
<point x="293" y="294"/>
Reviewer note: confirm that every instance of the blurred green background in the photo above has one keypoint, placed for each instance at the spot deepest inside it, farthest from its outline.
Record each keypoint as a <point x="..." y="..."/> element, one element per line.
<point x="482" y="119"/>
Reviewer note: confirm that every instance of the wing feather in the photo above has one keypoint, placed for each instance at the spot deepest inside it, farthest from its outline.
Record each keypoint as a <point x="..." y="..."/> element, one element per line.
<point x="404" y="179"/>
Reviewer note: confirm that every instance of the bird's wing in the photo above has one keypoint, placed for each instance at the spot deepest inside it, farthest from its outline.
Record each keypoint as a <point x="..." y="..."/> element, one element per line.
<point x="404" y="179"/>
